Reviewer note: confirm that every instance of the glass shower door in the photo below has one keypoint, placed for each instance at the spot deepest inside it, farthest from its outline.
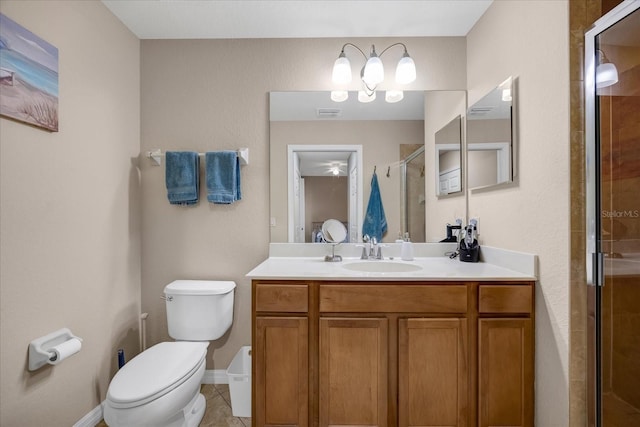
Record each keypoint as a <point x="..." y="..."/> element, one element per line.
<point x="613" y="161"/>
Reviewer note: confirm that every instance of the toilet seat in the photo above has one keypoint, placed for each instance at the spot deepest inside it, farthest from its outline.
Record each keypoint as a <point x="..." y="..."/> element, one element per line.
<point x="155" y="372"/>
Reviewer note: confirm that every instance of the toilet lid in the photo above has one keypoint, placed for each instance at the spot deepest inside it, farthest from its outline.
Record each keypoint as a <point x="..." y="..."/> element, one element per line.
<point x="156" y="371"/>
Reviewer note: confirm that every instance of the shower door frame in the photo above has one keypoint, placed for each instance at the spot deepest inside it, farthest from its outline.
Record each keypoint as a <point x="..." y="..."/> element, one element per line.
<point x="594" y="250"/>
<point x="404" y="202"/>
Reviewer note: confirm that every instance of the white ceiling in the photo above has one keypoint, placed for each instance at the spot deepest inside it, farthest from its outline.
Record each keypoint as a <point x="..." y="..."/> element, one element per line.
<point x="216" y="19"/>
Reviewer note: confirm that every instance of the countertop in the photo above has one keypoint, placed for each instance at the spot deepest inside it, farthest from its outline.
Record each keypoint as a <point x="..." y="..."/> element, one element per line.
<point x="498" y="265"/>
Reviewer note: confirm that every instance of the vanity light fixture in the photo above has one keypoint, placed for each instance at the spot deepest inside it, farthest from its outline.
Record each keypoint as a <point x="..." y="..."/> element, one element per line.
<point x="372" y="73"/>
<point x="606" y="72"/>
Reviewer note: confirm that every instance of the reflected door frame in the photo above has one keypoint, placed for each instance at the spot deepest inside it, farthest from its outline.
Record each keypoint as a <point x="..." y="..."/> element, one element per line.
<point x="292" y="211"/>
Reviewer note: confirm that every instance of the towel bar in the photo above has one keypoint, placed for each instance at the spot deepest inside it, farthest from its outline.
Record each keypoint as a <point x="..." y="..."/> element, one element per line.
<point x="156" y="156"/>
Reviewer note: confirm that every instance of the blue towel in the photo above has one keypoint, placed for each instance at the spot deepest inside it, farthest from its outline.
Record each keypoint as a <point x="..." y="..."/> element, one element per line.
<point x="182" y="177"/>
<point x="375" y="222"/>
<point x="223" y="177"/>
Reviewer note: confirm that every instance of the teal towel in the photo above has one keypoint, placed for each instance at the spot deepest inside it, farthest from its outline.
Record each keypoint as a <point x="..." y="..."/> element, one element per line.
<point x="223" y="177"/>
<point x="182" y="177"/>
<point x="375" y="222"/>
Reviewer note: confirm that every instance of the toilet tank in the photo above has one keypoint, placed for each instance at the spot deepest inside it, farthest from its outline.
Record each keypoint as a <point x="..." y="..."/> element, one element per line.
<point x="199" y="310"/>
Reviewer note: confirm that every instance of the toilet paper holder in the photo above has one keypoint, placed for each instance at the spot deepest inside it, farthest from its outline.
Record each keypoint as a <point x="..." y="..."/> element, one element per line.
<point x="39" y="349"/>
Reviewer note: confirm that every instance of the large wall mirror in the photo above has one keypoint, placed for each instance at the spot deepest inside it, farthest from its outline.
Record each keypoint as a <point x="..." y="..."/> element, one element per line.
<point x="323" y="155"/>
<point x="491" y="138"/>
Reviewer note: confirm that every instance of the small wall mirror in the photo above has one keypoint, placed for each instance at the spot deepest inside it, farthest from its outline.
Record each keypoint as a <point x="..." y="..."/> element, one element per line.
<point x="448" y="158"/>
<point x="490" y="138"/>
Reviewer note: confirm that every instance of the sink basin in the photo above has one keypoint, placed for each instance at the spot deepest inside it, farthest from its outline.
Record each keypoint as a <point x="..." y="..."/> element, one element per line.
<point x="382" y="267"/>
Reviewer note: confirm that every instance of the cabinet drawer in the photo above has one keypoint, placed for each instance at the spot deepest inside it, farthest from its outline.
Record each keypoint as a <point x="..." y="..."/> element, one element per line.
<point x="282" y="298"/>
<point x="396" y="298"/>
<point x="505" y="299"/>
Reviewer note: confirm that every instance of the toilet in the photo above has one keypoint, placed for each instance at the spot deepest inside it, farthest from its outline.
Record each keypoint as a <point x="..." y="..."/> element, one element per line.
<point x="160" y="387"/>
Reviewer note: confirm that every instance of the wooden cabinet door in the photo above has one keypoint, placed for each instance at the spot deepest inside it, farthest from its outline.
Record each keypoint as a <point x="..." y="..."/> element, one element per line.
<point x="281" y="362"/>
<point x="433" y="372"/>
<point x="505" y="370"/>
<point x="353" y="372"/>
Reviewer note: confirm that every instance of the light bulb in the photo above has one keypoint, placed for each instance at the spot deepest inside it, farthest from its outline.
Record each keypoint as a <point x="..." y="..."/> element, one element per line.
<point x="339" y="95"/>
<point x="366" y="97"/>
<point x="406" y="70"/>
<point x="341" y="70"/>
<point x="392" y="96"/>
<point x="373" y="71"/>
<point x="606" y="75"/>
<point x="506" y="95"/>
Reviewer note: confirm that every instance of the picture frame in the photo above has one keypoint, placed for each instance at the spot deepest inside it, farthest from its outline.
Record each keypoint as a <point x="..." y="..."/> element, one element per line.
<point x="28" y="77"/>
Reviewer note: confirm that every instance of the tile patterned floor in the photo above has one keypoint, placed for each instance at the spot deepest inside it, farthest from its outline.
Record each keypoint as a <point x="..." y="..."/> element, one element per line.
<point x="218" y="413"/>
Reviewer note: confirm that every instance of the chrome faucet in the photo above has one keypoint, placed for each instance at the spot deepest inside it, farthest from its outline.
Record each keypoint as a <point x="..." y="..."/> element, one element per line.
<point x="371" y="248"/>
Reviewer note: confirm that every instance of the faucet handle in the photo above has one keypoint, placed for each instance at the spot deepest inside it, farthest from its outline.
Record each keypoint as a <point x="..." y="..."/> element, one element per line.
<point x="364" y="251"/>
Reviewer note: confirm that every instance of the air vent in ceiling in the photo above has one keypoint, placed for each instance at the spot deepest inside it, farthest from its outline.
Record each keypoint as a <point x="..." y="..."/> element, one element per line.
<point x="480" y="110"/>
<point x="329" y="112"/>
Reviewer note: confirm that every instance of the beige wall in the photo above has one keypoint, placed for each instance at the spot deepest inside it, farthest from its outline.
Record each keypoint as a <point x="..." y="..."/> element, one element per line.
<point x="530" y="40"/>
<point x="70" y="217"/>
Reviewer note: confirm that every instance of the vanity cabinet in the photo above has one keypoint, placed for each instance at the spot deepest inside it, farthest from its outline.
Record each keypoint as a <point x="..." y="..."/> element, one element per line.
<point x="353" y="385"/>
<point x="505" y="356"/>
<point x="280" y="355"/>
<point x="433" y="371"/>
<point x="384" y="353"/>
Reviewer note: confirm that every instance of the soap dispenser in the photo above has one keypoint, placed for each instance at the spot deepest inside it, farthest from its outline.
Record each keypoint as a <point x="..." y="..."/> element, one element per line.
<point x="406" y="250"/>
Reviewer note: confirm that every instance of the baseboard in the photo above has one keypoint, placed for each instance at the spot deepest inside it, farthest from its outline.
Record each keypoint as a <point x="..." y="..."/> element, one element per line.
<point x="91" y="419"/>
<point x="215" y="376"/>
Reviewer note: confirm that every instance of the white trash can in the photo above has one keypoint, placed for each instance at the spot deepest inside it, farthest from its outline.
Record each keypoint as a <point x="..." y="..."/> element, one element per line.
<point x="239" y="374"/>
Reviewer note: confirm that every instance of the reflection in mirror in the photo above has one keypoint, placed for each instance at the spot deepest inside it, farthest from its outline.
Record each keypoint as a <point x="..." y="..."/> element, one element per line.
<point x="490" y="138"/>
<point x="334" y="231"/>
<point x="323" y="182"/>
<point x="412" y="169"/>
<point x="311" y="119"/>
<point x="448" y="157"/>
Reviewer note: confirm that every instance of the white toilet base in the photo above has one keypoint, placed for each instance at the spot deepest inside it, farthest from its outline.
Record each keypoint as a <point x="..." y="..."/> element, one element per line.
<point x="194" y="412"/>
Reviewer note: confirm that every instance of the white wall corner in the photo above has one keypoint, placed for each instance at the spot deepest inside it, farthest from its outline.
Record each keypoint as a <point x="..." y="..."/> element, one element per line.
<point x="92" y="418"/>
<point x="215" y="376"/>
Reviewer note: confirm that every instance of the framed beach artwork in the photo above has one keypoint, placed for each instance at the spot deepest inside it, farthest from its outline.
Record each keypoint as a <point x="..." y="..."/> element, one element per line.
<point x="28" y="77"/>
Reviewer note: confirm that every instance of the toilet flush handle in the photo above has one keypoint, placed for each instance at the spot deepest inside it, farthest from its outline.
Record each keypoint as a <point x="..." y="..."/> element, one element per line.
<point x="166" y="298"/>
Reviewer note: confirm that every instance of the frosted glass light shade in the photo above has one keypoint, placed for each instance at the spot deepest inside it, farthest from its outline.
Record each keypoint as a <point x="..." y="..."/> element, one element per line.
<point x="392" y="96"/>
<point x="339" y="95"/>
<point x="373" y="71"/>
<point x="364" y="97"/>
<point x="341" y="70"/>
<point x="406" y="70"/>
<point x="606" y="75"/>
